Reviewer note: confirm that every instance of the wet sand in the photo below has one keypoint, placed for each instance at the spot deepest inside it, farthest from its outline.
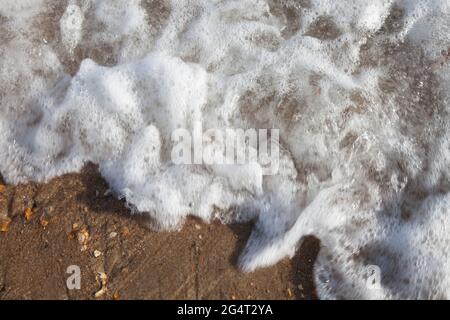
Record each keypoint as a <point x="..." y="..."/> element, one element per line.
<point x="73" y="221"/>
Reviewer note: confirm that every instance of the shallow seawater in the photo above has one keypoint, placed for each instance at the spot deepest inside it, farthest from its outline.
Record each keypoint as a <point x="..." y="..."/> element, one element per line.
<point x="358" y="89"/>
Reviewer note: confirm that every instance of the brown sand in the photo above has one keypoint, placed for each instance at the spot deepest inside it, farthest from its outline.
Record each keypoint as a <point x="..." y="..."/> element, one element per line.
<point x="198" y="262"/>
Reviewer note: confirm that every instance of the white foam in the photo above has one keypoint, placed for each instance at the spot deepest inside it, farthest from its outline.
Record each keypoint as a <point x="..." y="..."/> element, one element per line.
<point x="71" y="25"/>
<point x="358" y="89"/>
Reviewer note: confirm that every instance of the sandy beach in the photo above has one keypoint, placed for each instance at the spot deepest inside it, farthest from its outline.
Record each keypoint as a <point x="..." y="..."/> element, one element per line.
<point x="72" y="222"/>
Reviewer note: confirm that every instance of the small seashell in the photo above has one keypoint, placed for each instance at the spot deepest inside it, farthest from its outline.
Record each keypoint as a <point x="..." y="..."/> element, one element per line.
<point x="103" y="279"/>
<point x="112" y="235"/>
<point x="5" y="223"/>
<point x="97" y="253"/>
<point x="83" y="238"/>
<point x="29" y="212"/>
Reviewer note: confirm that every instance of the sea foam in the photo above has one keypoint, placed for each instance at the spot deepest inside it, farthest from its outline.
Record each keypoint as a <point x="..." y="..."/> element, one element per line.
<point x="358" y="89"/>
